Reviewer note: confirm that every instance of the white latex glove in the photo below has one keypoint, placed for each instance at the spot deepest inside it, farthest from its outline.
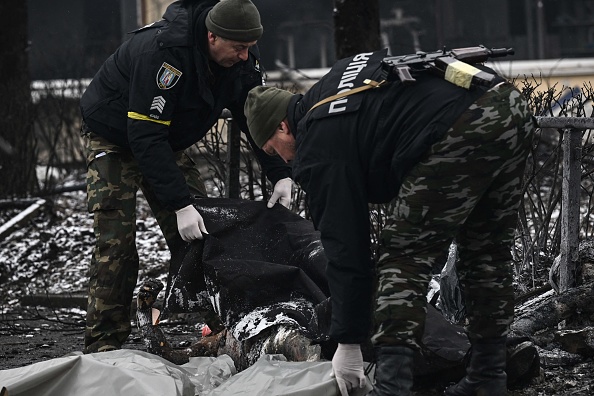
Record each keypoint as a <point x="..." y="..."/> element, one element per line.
<point x="281" y="193"/>
<point x="190" y="224"/>
<point x="347" y="368"/>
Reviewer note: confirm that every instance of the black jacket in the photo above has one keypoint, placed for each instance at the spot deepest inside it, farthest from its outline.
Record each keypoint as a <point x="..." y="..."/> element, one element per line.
<point x="159" y="94"/>
<point x="356" y="151"/>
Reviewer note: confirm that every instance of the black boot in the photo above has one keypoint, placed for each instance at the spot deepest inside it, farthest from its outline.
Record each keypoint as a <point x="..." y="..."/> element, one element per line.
<point x="485" y="375"/>
<point x="393" y="371"/>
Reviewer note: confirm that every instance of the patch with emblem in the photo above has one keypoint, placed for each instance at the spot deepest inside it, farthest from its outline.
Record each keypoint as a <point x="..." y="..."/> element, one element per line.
<point x="167" y="76"/>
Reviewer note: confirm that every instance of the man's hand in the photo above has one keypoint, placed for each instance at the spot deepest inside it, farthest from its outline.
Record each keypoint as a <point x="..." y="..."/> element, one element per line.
<point x="190" y="224"/>
<point x="281" y="193"/>
<point x="347" y="368"/>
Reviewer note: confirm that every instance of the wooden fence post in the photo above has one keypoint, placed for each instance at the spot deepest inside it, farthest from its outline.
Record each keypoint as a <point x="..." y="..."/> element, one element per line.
<point x="233" y="157"/>
<point x="573" y="128"/>
<point x="570" y="208"/>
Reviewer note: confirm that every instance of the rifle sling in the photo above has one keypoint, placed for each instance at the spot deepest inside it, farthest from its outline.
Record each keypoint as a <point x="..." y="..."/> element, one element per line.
<point x="368" y="85"/>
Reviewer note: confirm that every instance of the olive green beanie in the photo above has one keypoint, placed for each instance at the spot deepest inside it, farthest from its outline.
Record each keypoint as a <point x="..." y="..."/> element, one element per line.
<point x="237" y="20"/>
<point x="265" y="108"/>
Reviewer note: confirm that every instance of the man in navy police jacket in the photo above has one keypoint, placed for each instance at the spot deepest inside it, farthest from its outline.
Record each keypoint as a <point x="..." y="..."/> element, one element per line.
<point x="449" y="157"/>
<point x="157" y="95"/>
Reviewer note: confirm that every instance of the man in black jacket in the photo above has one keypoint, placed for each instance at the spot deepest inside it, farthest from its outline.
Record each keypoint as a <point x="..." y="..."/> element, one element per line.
<point x="450" y="159"/>
<point x="157" y="95"/>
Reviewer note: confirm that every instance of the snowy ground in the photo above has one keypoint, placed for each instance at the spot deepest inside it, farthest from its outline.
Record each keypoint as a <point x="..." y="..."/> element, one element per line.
<point x="52" y="253"/>
<point x="43" y="268"/>
<point x="50" y="256"/>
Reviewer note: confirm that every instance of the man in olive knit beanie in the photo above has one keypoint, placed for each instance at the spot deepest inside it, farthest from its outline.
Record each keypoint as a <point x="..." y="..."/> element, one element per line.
<point x="156" y="96"/>
<point x="237" y="20"/>
<point x="448" y="162"/>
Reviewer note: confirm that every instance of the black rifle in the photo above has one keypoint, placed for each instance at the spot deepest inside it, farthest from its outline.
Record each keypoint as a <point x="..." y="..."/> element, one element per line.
<point x="454" y="65"/>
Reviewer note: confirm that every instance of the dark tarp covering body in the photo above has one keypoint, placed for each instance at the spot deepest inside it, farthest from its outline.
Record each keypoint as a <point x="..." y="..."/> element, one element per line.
<point x="259" y="267"/>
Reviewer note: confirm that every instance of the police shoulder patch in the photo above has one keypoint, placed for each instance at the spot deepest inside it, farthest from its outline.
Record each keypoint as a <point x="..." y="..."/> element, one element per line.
<point x="167" y="76"/>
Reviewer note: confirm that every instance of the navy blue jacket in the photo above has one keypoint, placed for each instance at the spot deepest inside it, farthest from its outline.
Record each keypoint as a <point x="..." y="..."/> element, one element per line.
<point x="357" y="150"/>
<point x="159" y="94"/>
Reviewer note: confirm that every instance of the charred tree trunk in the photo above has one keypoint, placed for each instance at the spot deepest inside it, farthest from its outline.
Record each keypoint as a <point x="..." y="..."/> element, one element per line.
<point x="17" y="153"/>
<point x="356" y="27"/>
<point x="546" y="313"/>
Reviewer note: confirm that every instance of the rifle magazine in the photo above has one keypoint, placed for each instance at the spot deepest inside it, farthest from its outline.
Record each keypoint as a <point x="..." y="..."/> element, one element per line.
<point x="462" y="74"/>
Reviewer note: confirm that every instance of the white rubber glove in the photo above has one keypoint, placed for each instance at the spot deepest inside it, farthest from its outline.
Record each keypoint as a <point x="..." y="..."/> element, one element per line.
<point x="281" y="193"/>
<point x="347" y="368"/>
<point x="190" y="224"/>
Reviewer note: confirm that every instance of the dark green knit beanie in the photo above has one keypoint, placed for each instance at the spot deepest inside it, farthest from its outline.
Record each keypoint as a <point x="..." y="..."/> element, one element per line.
<point x="265" y="108"/>
<point x="237" y="20"/>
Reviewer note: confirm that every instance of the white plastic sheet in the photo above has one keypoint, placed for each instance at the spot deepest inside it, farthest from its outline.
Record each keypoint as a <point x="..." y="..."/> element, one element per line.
<point x="130" y="373"/>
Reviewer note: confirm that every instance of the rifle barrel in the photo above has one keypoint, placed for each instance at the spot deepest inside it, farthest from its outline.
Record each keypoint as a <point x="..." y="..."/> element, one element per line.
<point x="499" y="52"/>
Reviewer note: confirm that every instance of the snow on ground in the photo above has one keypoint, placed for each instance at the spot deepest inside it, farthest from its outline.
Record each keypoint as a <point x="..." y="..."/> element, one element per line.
<point x="51" y="253"/>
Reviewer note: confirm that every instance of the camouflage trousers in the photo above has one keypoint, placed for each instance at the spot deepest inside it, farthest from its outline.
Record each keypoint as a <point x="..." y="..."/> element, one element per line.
<point x="113" y="180"/>
<point x="467" y="188"/>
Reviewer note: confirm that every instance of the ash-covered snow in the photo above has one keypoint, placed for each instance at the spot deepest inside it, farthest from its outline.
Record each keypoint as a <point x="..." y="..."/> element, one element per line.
<point x="223" y="213"/>
<point x="254" y="322"/>
<point x="51" y="253"/>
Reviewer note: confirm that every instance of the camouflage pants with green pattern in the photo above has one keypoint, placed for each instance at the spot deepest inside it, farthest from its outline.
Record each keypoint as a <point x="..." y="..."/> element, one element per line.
<point x="467" y="188"/>
<point x="113" y="180"/>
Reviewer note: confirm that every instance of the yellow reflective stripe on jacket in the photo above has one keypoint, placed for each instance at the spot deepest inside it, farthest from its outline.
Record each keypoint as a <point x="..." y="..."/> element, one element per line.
<point x="138" y="116"/>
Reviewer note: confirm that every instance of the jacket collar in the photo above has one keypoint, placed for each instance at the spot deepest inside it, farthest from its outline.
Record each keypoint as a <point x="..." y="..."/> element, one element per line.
<point x="295" y="112"/>
<point x="178" y="30"/>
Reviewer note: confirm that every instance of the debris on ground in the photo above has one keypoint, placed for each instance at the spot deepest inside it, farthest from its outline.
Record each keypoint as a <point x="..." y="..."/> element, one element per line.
<point x="43" y="268"/>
